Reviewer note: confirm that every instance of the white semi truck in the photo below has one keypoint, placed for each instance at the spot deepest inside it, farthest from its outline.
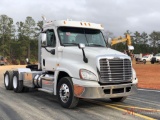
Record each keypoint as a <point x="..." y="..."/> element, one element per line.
<point x="73" y="63"/>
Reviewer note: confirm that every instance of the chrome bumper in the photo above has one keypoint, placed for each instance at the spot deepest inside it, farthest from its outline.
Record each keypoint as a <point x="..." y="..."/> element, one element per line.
<point x="106" y="91"/>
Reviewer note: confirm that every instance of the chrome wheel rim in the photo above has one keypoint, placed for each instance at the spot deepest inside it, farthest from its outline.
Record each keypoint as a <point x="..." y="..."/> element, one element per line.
<point x="6" y="80"/>
<point x="15" y="81"/>
<point x="64" y="93"/>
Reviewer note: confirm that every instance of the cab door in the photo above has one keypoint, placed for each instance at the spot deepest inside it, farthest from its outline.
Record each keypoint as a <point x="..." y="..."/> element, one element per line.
<point x="49" y="51"/>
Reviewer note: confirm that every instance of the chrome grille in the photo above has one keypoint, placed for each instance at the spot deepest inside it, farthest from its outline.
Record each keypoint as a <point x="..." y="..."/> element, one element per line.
<point x="115" y="70"/>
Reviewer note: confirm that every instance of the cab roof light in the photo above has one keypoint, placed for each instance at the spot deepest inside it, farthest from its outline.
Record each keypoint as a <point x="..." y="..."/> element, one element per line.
<point x="81" y="23"/>
<point x="69" y="19"/>
<point x="64" y="22"/>
<point x="49" y="21"/>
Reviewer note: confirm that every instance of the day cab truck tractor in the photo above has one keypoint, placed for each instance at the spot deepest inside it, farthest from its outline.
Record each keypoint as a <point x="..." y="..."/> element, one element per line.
<point x="73" y="63"/>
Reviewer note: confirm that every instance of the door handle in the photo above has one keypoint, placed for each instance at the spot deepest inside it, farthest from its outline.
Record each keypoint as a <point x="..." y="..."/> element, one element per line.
<point x="43" y="62"/>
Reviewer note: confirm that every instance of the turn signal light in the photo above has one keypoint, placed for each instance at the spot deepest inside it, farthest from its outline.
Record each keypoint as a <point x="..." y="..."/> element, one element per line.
<point x="78" y="90"/>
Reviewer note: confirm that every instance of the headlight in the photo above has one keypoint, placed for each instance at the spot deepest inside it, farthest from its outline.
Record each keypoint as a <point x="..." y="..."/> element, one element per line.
<point x="134" y="77"/>
<point x="87" y="75"/>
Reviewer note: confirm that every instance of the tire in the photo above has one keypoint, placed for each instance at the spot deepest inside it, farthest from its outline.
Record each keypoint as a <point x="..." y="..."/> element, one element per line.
<point x="17" y="84"/>
<point x="119" y="99"/>
<point x="144" y="61"/>
<point x="152" y="62"/>
<point x="8" y="83"/>
<point x="65" y="93"/>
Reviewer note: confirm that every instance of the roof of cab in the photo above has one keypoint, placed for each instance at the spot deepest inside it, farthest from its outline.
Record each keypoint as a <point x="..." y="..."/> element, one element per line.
<point x="69" y="23"/>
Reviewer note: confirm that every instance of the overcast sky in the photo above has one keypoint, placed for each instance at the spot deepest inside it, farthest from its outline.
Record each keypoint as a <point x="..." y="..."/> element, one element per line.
<point x="116" y="16"/>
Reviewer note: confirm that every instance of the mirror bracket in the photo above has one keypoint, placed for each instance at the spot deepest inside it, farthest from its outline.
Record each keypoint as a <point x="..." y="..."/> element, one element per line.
<point x="82" y="46"/>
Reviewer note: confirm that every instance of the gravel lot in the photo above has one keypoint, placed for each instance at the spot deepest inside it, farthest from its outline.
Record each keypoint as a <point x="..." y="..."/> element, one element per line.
<point x="148" y="75"/>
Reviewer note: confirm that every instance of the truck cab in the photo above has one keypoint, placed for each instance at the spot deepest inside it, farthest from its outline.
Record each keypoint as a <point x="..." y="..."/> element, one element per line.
<point x="74" y="63"/>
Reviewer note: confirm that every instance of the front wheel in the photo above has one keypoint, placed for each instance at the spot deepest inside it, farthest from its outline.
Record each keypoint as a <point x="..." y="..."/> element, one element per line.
<point x="65" y="93"/>
<point x="119" y="99"/>
<point x="144" y="61"/>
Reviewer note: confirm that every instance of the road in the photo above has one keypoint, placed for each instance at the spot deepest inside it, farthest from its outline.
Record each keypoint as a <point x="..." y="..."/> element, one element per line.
<point x="36" y="105"/>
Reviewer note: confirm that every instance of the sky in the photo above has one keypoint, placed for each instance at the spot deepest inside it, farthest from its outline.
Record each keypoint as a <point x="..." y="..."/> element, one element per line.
<point x="116" y="16"/>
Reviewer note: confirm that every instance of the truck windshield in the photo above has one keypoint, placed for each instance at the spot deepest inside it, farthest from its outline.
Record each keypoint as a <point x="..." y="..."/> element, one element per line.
<point x="71" y="36"/>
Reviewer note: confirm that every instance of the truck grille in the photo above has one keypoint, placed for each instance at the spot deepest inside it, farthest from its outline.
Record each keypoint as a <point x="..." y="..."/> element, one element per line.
<point x="115" y="70"/>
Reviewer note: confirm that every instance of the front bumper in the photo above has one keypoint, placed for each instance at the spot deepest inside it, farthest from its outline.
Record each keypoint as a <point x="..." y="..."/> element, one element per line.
<point x="104" y="91"/>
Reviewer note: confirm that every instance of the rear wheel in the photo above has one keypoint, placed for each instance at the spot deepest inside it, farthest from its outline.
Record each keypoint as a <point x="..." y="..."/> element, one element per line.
<point x="17" y="84"/>
<point x="119" y="99"/>
<point x="65" y="93"/>
<point x="144" y="61"/>
<point x="8" y="80"/>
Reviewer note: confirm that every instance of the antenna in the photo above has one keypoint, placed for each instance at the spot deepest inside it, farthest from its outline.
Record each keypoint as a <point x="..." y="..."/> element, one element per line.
<point x="44" y="18"/>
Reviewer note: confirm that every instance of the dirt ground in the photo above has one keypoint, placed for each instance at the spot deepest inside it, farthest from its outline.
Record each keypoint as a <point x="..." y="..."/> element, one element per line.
<point x="148" y="74"/>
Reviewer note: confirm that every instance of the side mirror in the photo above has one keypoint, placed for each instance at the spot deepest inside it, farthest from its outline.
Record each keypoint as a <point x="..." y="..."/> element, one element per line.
<point x="81" y="45"/>
<point x="43" y="39"/>
<point x="109" y="40"/>
<point x="130" y="47"/>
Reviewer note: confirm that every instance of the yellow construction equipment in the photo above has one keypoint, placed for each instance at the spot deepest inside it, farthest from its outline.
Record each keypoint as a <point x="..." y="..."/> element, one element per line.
<point x="128" y="41"/>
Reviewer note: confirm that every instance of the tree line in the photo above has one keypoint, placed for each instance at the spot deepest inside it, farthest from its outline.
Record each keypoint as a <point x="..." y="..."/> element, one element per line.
<point x="19" y="40"/>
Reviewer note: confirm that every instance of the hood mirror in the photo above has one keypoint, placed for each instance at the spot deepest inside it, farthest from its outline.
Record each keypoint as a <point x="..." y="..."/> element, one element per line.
<point x="81" y="46"/>
<point x="130" y="47"/>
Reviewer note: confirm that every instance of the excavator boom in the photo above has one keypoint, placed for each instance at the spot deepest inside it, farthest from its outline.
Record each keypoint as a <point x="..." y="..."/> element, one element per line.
<point x="127" y="39"/>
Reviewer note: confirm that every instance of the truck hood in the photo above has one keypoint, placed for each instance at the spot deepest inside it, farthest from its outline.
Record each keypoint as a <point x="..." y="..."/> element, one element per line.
<point x="94" y="52"/>
<point x="72" y="58"/>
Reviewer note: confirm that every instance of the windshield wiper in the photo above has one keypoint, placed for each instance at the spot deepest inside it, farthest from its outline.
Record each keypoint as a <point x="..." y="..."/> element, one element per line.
<point x="71" y="44"/>
<point x="67" y="44"/>
<point x="97" y="45"/>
